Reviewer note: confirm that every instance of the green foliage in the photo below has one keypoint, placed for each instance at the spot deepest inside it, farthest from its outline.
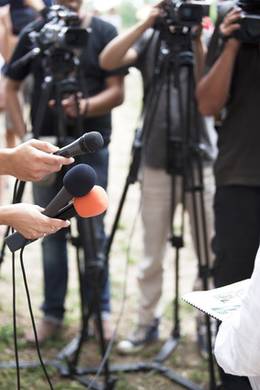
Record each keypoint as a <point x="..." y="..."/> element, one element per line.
<point x="127" y="11"/>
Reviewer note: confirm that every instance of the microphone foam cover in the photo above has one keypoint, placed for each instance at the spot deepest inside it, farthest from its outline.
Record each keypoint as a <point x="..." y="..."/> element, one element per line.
<point x="92" y="204"/>
<point x="79" y="180"/>
<point x="93" y="141"/>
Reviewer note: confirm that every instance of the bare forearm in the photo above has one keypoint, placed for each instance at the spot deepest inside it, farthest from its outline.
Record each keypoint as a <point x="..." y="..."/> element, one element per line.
<point x="15" y="110"/>
<point x="115" y="54"/>
<point x="213" y="89"/>
<point x="200" y="53"/>
<point x="104" y="102"/>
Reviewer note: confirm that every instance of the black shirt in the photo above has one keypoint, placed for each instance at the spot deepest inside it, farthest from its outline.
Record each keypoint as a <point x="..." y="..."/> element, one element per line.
<point x="21" y="15"/>
<point x="238" y="161"/>
<point x="92" y="77"/>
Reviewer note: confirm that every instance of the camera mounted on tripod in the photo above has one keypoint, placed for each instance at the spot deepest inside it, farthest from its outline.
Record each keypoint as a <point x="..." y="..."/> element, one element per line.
<point x="60" y="40"/>
<point x="62" y="31"/>
<point x="249" y="31"/>
<point x="182" y="13"/>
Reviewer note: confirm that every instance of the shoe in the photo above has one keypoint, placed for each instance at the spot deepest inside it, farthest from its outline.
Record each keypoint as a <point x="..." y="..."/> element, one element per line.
<point x="46" y="330"/>
<point x="142" y="335"/>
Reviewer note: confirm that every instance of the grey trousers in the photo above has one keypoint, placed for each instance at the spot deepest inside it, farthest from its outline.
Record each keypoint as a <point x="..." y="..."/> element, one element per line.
<point x="156" y="213"/>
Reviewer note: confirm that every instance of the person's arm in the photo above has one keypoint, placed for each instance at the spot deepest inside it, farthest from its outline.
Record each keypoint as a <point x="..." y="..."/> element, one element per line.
<point x="31" y="161"/>
<point x="14" y="107"/>
<point x="102" y="103"/>
<point x="213" y="89"/>
<point x="199" y="55"/>
<point x="237" y="343"/>
<point x="38" y="5"/>
<point x="119" y="52"/>
<point x="28" y="220"/>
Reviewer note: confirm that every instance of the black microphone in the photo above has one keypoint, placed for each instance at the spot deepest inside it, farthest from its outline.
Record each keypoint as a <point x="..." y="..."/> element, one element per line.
<point x="78" y="181"/>
<point x="88" y="143"/>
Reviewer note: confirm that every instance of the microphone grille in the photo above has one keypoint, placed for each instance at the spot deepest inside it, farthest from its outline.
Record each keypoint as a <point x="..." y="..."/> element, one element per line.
<point x="80" y="180"/>
<point x="92" y="204"/>
<point x="92" y="141"/>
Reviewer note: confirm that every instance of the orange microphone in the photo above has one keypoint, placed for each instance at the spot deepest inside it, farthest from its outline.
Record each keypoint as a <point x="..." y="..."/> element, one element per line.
<point x="90" y="205"/>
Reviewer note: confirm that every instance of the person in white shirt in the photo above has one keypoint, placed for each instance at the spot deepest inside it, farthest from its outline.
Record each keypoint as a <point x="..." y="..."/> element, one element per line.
<point x="237" y="347"/>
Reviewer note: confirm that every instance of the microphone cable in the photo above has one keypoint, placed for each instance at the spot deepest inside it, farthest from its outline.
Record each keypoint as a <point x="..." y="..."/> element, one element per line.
<point x="33" y="320"/>
<point x="16" y="353"/>
<point x="18" y="376"/>
<point x="123" y="302"/>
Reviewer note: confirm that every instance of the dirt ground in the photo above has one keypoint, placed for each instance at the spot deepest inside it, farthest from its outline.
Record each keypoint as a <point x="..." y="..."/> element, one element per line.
<point x="127" y="245"/>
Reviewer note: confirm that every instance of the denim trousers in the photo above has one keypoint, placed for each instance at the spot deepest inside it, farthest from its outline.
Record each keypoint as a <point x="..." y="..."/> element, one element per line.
<point x="54" y="247"/>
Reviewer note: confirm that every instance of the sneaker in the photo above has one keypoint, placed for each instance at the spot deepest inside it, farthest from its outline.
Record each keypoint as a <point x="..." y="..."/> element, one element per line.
<point x="46" y="330"/>
<point x="142" y="335"/>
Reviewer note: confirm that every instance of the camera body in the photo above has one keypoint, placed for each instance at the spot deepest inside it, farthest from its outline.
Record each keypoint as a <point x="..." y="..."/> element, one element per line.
<point x="181" y="13"/>
<point x="249" y="31"/>
<point x="62" y="31"/>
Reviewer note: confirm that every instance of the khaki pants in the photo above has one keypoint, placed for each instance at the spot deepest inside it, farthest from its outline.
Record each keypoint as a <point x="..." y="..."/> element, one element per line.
<point x="156" y="217"/>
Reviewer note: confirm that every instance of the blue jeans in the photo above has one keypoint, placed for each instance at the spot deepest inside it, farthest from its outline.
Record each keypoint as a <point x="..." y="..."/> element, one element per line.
<point x="54" y="247"/>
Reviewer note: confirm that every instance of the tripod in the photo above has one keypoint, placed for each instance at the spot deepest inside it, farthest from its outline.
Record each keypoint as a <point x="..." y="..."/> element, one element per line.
<point x="90" y="262"/>
<point x="184" y="164"/>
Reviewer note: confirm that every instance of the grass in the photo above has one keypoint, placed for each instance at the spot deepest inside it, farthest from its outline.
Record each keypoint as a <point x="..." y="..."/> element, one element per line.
<point x="185" y="360"/>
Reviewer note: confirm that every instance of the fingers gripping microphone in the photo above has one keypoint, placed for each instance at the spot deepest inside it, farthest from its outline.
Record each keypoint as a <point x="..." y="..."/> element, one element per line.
<point x="78" y="181"/>
<point x="90" y="205"/>
<point x="88" y="143"/>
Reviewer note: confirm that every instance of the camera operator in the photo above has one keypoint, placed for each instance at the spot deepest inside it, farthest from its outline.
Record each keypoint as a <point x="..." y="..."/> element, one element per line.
<point x="30" y="161"/>
<point x="101" y="92"/>
<point x="232" y="83"/>
<point x="139" y="47"/>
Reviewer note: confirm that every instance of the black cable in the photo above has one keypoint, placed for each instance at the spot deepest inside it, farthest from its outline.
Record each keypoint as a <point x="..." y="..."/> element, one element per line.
<point x="33" y="321"/>
<point x="121" y="312"/>
<point x="14" y="326"/>
<point x="18" y="381"/>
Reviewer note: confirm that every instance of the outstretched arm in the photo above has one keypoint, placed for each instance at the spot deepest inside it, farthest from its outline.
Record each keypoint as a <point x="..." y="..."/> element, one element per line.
<point x="119" y="51"/>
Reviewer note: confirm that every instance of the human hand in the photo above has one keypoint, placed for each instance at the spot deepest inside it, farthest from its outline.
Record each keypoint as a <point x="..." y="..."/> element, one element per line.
<point x="28" y="220"/>
<point x="155" y="12"/>
<point x="230" y="24"/>
<point x="70" y="105"/>
<point x="33" y="160"/>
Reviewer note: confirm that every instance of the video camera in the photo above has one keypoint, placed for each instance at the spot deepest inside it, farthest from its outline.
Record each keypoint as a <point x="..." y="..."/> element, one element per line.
<point x="249" y="31"/>
<point x="62" y="30"/>
<point x="181" y="13"/>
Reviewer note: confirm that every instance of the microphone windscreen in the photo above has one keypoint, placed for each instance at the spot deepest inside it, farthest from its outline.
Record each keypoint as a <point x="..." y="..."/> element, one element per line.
<point x="92" y="204"/>
<point x="93" y="141"/>
<point x="79" y="180"/>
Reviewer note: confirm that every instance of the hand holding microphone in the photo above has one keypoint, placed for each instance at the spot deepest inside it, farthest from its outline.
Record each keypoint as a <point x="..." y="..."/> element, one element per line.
<point x="78" y="180"/>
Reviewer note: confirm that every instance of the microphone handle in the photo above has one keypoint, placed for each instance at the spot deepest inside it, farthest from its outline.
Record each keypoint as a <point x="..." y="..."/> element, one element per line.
<point x="73" y="149"/>
<point x="17" y="241"/>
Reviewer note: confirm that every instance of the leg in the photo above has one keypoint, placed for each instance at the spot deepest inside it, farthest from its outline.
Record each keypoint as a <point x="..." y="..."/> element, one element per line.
<point x="237" y="223"/>
<point x="55" y="262"/>
<point x="156" y="206"/>
<point x="237" y="226"/>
